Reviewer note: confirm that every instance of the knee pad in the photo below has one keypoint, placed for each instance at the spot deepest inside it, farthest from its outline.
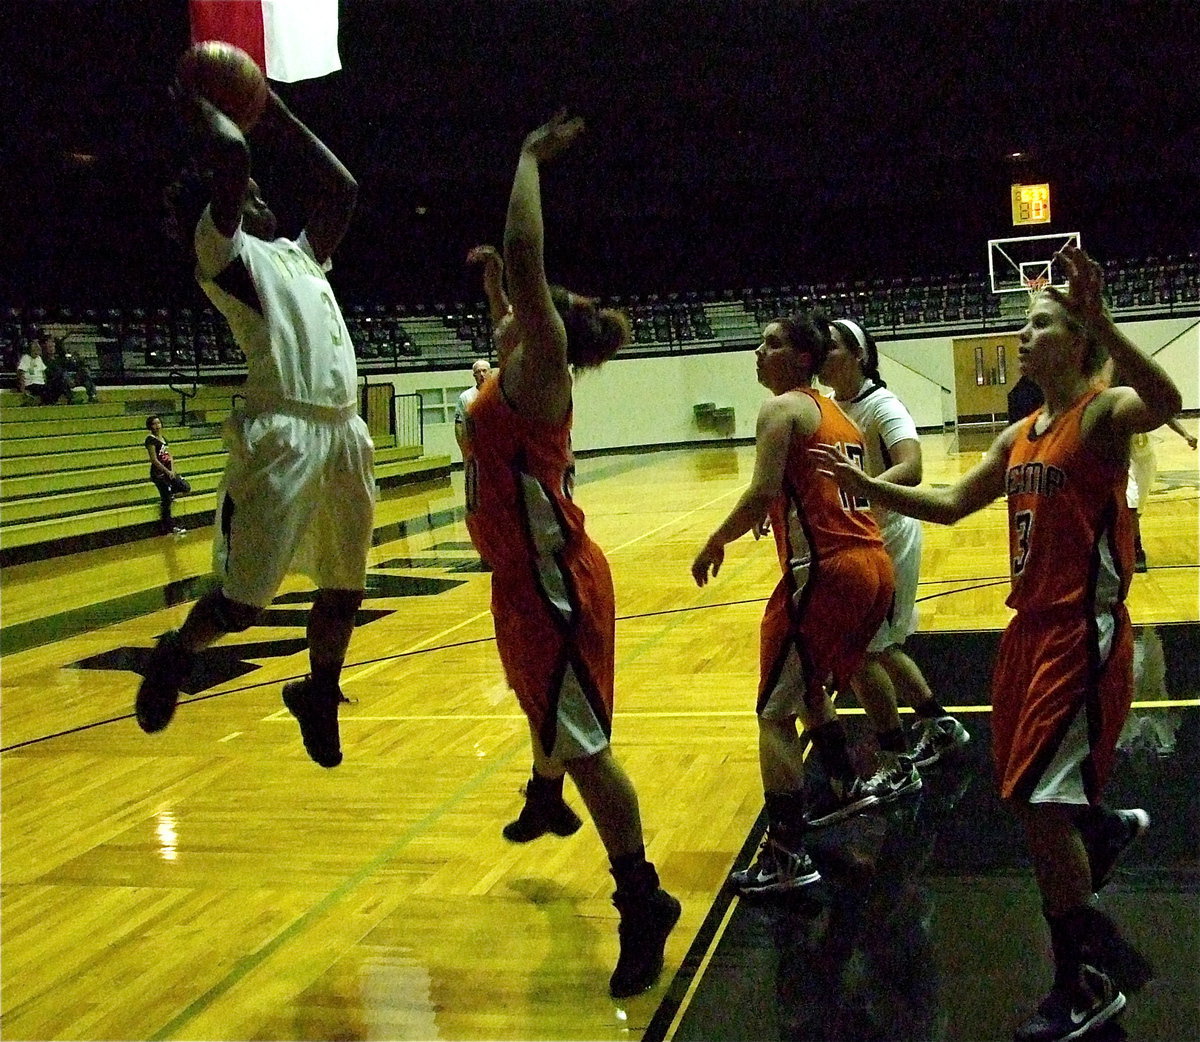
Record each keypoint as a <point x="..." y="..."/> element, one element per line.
<point x="338" y="604"/>
<point x="233" y="616"/>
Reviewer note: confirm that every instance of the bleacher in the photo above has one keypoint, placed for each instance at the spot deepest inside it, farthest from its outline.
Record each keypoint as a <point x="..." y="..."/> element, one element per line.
<point x="146" y="345"/>
<point x="74" y="477"/>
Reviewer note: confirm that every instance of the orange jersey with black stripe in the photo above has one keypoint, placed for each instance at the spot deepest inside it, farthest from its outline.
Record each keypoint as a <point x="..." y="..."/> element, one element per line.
<point x="812" y="518"/>
<point x="1069" y="533"/>
<point x="520" y="475"/>
<point x="552" y="594"/>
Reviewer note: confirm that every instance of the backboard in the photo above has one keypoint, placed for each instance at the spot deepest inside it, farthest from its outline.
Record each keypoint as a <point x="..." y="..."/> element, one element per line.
<point x="1018" y="263"/>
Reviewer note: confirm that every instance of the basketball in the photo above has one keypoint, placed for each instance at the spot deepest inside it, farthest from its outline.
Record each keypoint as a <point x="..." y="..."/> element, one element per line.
<point x="228" y="77"/>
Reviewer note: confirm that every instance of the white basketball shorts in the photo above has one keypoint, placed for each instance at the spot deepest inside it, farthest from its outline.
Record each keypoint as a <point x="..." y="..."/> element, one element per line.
<point x="298" y="495"/>
<point x="902" y="538"/>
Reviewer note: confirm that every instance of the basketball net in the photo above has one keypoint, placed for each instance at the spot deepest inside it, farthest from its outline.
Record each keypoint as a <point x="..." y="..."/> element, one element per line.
<point x="1035" y="285"/>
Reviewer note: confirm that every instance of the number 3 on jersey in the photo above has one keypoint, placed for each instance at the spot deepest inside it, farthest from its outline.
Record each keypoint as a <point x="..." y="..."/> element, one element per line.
<point x="1022" y="530"/>
<point x="858" y="458"/>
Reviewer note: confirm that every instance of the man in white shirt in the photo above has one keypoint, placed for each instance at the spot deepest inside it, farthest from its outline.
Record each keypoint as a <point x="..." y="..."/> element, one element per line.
<point x="479" y="370"/>
<point x="31" y="372"/>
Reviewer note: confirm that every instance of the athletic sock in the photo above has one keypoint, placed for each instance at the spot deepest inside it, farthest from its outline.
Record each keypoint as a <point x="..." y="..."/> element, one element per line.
<point x="785" y="811"/>
<point x="543" y="788"/>
<point x="893" y="741"/>
<point x="325" y="677"/>
<point x="830" y="742"/>
<point x="930" y="710"/>
<point x="633" y="873"/>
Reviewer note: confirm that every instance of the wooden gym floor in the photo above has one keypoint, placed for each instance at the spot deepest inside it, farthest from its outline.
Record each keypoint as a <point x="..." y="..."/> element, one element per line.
<point x="211" y="882"/>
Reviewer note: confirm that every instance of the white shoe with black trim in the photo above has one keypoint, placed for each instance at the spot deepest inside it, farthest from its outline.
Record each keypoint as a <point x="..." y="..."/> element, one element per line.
<point x="897" y="776"/>
<point x="935" y="737"/>
<point x="776" y="870"/>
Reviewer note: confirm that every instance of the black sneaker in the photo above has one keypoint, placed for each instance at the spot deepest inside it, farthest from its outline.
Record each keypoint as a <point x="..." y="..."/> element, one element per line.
<point x="539" y="816"/>
<point x="646" y="922"/>
<point x="317" y="714"/>
<point x="1114" y="838"/>
<point x="831" y="806"/>
<point x="166" y="669"/>
<point x="1069" y="1012"/>
<point x="776" y="870"/>
<point x="935" y="738"/>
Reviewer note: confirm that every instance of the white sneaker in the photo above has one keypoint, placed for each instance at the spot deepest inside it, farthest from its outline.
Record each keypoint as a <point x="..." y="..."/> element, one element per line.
<point x="776" y="870"/>
<point x="935" y="738"/>
<point x="897" y="776"/>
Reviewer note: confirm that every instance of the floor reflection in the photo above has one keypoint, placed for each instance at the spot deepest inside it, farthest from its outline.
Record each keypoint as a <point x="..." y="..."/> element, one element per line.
<point x="926" y="922"/>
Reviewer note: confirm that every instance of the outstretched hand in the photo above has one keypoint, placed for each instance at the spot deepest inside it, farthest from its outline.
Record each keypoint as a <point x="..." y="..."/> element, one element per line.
<point x="831" y="461"/>
<point x="553" y="137"/>
<point x="711" y="557"/>
<point x="1085" y="280"/>
<point x="486" y="254"/>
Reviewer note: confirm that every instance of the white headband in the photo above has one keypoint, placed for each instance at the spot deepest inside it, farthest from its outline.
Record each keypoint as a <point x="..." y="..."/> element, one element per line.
<point x="854" y="328"/>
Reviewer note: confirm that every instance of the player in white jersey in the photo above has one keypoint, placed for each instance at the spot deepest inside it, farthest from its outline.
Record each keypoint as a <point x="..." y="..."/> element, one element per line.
<point x="298" y="490"/>
<point x="893" y="452"/>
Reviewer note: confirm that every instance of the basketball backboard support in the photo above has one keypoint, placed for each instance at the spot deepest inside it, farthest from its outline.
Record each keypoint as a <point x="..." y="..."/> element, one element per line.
<point x="1016" y="263"/>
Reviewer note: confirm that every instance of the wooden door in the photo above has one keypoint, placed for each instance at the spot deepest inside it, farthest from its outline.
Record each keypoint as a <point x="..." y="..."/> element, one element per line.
<point x="985" y="369"/>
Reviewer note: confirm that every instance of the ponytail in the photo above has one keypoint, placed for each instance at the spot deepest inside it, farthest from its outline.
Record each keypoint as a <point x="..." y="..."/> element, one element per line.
<point x="870" y="350"/>
<point x="593" y="335"/>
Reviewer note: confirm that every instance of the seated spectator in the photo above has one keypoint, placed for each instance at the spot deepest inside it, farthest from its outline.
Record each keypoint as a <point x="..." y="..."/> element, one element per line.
<point x="162" y="473"/>
<point x="31" y="373"/>
<point x="65" y="373"/>
<point x="79" y="375"/>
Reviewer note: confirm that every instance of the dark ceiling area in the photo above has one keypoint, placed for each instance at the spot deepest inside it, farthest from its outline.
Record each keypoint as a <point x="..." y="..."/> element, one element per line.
<point x="728" y="144"/>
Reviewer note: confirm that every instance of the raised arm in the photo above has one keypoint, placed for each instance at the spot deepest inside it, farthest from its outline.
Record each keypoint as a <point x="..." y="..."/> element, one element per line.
<point x="493" y="280"/>
<point x="983" y="483"/>
<point x="223" y="152"/>
<point x="543" y="337"/>
<point x="333" y="188"/>
<point x="1148" y="397"/>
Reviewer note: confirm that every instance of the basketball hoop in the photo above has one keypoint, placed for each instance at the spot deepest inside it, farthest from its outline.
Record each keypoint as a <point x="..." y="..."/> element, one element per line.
<point x="1034" y="285"/>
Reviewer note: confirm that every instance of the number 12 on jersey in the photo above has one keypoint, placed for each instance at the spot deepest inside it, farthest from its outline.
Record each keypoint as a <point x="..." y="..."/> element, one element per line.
<point x="855" y="454"/>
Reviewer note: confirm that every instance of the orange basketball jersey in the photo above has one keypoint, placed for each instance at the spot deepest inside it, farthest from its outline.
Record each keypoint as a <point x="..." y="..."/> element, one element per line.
<point x="1070" y="540"/>
<point x="813" y="518"/>
<point x="519" y="478"/>
<point x="837" y="584"/>
<point x="552" y="592"/>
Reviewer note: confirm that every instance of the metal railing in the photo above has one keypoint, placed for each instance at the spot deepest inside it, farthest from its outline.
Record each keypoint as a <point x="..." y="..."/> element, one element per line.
<point x="184" y="396"/>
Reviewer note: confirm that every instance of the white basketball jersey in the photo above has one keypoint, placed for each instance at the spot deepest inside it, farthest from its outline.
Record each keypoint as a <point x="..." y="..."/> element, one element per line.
<point x="283" y="316"/>
<point x="884" y="421"/>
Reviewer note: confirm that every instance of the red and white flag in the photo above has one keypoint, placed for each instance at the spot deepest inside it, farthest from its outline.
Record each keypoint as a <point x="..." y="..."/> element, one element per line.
<point x="290" y="39"/>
